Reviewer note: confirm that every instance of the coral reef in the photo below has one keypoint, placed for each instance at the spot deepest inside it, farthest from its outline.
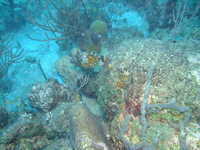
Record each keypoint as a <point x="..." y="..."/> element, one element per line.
<point x="86" y="131"/>
<point x="42" y="130"/>
<point x="66" y="69"/>
<point x="97" y="33"/>
<point x="145" y="95"/>
<point x="127" y="72"/>
<point x="121" y="89"/>
<point x="57" y="120"/>
<point x="45" y="96"/>
<point x="63" y="144"/>
<point x="90" y="46"/>
<point x="25" y="126"/>
<point x="71" y="21"/>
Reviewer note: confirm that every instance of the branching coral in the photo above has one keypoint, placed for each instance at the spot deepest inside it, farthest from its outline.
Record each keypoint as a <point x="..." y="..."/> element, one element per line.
<point x="70" y="19"/>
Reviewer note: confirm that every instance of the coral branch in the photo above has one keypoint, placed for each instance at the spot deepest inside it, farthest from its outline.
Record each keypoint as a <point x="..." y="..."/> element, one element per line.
<point x="68" y="22"/>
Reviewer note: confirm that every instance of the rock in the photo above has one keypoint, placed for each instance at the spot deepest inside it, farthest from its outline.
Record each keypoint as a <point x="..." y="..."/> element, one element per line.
<point x="86" y="130"/>
<point x="121" y="83"/>
<point x="66" y="69"/>
<point x="36" y="142"/>
<point x="45" y="96"/>
<point x="59" y="121"/>
<point x="25" y="126"/>
<point x="61" y="143"/>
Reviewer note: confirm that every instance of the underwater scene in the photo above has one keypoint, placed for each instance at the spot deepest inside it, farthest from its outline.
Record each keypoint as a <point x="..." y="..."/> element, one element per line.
<point x="99" y="74"/>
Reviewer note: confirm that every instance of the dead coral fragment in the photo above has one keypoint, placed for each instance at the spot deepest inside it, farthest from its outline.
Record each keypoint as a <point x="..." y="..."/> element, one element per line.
<point x="45" y="96"/>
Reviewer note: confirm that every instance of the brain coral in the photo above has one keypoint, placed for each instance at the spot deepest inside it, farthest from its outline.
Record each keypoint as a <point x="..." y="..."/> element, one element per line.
<point x="99" y="26"/>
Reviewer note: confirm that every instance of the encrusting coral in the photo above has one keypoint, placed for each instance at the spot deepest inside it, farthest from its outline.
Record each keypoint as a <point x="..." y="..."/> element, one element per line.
<point x="45" y="96"/>
<point x="174" y="90"/>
